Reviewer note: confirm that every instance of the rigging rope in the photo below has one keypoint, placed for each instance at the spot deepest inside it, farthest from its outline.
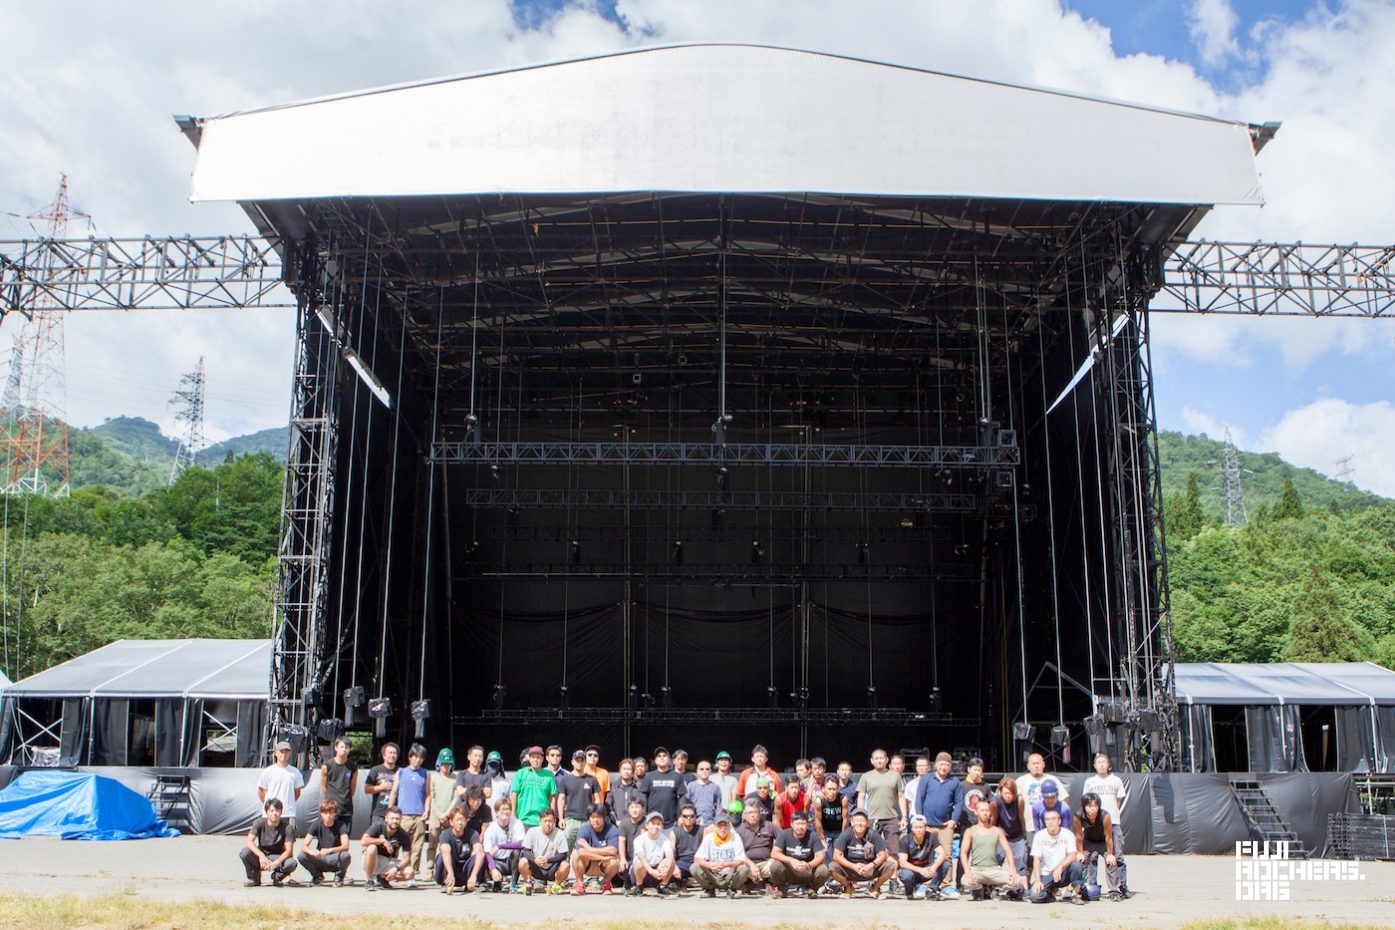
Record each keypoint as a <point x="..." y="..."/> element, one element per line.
<point x="431" y="497"/>
<point x="1051" y="521"/>
<point x="392" y="505"/>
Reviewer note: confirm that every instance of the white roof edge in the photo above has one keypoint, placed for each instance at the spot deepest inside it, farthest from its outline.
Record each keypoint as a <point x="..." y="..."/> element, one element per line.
<point x="646" y="49"/>
<point x="257" y="646"/>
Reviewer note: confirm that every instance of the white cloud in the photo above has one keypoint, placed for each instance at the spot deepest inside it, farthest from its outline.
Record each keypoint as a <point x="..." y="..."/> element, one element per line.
<point x="1212" y="26"/>
<point x="1317" y="435"/>
<point x="1201" y="421"/>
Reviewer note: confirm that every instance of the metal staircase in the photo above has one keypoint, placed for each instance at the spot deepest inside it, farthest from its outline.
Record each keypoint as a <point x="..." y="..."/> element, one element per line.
<point x="169" y="795"/>
<point x="1266" y="825"/>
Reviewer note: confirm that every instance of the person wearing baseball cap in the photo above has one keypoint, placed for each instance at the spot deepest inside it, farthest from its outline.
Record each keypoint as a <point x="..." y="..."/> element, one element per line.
<point x="720" y="861"/>
<point x="662" y="787"/>
<point x="282" y="781"/>
<point x="652" y="864"/>
<point x="533" y="788"/>
<point x="593" y="767"/>
<point x="577" y="792"/>
<point x="440" y="799"/>
<point x="722" y="776"/>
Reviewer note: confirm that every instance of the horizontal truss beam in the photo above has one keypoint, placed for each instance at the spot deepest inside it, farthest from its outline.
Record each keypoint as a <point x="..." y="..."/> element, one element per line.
<point x="242" y="271"/>
<point x="696" y="453"/>
<point x="769" y="572"/>
<point x="735" y="716"/>
<point x="663" y="499"/>
<point x="1279" y="278"/>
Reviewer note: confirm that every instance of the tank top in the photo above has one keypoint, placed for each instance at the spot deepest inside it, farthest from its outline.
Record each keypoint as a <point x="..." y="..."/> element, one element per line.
<point x="1092" y="831"/>
<point x="983" y="851"/>
<point x="1009" y="818"/>
<point x="831" y="816"/>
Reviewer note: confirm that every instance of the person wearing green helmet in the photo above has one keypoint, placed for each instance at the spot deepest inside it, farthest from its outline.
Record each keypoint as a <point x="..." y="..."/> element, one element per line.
<point x="722" y="776"/>
<point x="440" y="798"/>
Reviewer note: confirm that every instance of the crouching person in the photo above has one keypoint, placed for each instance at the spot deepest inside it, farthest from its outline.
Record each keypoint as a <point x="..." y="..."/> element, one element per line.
<point x="460" y="855"/>
<point x="1054" y="862"/>
<point x="387" y="852"/>
<point x="720" y="862"/>
<point x="797" y="858"/>
<point x="324" y="850"/>
<point x="270" y="846"/>
<point x="980" y="850"/>
<point x="545" y="853"/>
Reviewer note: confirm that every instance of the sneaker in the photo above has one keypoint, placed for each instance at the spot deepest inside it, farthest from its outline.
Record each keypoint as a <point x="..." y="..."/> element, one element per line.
<point x="317" y="881"/>
<point x="606" y="888"/>
<point x="383" y="882"/>
<point x="911" y="893"/>
<point x="370" y="886"/>
<point x="1115" y="896"/>
<point x="731" y="893"/>
<point x="709" y="892"/>
<point x="781" y="893"/>
<point x="579" y="888"/>
<point x="252" y="883"/>
<point x="528" y="890"/>
<point x="411" y="883"/>
<point x="338" y="881"/>
<point x="665" y="890"/>
<point x="631" y="891"/>
<point x="277" y="880"/>
<point x="949" y="893"/>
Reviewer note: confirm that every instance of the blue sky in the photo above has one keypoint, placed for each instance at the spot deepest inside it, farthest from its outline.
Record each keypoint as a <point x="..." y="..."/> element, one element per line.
<point x="97" y="105"/>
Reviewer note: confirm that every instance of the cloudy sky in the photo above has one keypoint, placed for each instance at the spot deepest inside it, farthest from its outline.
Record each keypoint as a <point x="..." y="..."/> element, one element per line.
<point x="89" y="89"/>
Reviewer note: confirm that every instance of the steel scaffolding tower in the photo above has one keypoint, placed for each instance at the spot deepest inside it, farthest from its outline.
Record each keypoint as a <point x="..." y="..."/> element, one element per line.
<point x="189" y="399"/>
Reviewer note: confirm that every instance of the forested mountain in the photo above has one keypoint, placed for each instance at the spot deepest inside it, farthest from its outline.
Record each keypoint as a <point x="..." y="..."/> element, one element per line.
<point x="130" y="454"/>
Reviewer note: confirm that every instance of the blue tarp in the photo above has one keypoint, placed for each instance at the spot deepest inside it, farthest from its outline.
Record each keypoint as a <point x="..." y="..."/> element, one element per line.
<point x="76" y="806"/>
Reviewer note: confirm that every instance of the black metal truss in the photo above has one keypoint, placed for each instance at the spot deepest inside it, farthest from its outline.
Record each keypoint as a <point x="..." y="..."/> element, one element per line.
<point x="664" y="499"/>
<point x="771" y="571"/>
<point x="696" y="453"/>
<point x="1279" y="278"/>
<point x="731" y="716"/>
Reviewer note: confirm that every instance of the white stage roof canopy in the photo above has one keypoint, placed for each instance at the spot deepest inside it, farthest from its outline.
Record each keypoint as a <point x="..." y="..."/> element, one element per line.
<point x="724" y="119"/>
<point x="1285" y="683"/>
<point x="133" y="668"/>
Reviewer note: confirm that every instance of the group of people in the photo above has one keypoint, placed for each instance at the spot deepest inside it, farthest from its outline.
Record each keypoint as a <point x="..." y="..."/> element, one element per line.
<point x="929" y="835"/>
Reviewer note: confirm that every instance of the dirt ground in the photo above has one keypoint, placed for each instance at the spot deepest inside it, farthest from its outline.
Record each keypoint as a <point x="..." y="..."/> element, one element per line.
<point x="1170" y="891"/>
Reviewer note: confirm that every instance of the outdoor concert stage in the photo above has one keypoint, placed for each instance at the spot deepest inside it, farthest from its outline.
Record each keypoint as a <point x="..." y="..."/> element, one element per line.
<point x="708" y="395"/>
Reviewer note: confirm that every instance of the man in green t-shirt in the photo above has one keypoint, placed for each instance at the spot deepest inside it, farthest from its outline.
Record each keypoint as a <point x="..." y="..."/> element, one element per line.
<point x="532" y="788"/>
<point x="879" y="793"/>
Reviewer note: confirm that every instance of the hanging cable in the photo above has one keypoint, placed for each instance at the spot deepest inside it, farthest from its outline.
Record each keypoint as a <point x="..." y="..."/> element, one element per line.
<point x="431" y="496"/>
<point x="1080" y="491"/>
<point x="363" y="491"/>
<point x="1051" y="522"/>
<point x="392" y="504"/>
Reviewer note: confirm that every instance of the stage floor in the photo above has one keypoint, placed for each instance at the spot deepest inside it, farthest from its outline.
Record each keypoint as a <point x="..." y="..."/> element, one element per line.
<point x="1171" y="891"/>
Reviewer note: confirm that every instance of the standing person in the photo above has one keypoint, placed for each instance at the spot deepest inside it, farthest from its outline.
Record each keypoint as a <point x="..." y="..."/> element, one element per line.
<point x="597" y="849"/>
<point x="680" y="768"/>
<point x="500" y="786"/>
<point x="1029" y="788"/>
<point x="1010" y="816"/>
<point x="973" y="789"/>
<point x="1049" y="802"/>
<point x="818" y="770"/>
<point x="922" y="768"/>
<point x="723" y="777"/>
<point x="802" y="770"/>
<point x="792" y="799"/>
<point x="1109" y="788"/>
<point x="847" y="785"/>
<point x="652" y="864"/>
<point x="533" y="790"/>
<point x="593" y="767"/>
<point x="282" y="781"/>
<point x="624" y="790"/>
<point x="1054" y="863"/>
<point x="704" y="794"/>
<point x="409" y="795"/>
<point x="387" y="851"/>
<point x="983" y="843"/>
<point x="473" y="774"/>
<point x="923" y="862"/>
<point x="269" y="846"/>
<point x="378" y="784"/>
<point x="457" y="865"/>
<point x="579" y="792"/>
<point x="338" y="779"/>
<point x="720" y="861"/>
<point x="757" y="839"/>
<point x="440" y="801"/>
<point x="641" y="768"/>
<point x="545" y="853"/>
<point x="1094" y="840"/>
<point x="830" y="811"/>
<point x="764" y="799"/>
<point x="325" y="847"/>
<point x="938" y="799"/>
<point x="759" y="768"/>
<point x="503" y="842"/>
<point x="686" y="837"/>
<point x="797" y="858"/>
<point x="554" y="765"/>
<point x="661" y="788"/>
<point x="879" y="793"/>
<point x="859" y="855"/>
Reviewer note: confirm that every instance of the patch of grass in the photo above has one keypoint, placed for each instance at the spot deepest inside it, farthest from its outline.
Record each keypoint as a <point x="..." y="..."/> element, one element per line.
<point x="1273" y="923"/>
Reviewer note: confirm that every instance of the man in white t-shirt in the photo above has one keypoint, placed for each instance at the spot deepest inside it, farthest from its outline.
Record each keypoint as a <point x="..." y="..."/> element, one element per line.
<point x="1112" y="794"/>
<point x="1029" y="789"/>
<point x="1054" y="863"/>
<point x="652" y="863"/>
<point x="282" y="781"/>
<point x="720" y="862"/>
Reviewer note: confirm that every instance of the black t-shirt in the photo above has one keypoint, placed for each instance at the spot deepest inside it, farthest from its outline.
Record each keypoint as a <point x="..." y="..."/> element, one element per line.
<point x="468" y="779"/>
<point x="685" y="844"/>
<point x="628" y="831"/>
<point x="324" y="837"/>
<point x="381" y="775"/>
<point x="619" y="800"/>
<point x="663" y="790"/>
<point x="579" y="789"/>
<point x="460" y="847"/>
<point x="804" y="850"/>
<point x="922" y="853"/>
<point x="270" y="840"/>
<point x="398" y="840"/>
<point x="337" y="779"/>
<point x="864" y="849"/>
<point x="830" y="815"/>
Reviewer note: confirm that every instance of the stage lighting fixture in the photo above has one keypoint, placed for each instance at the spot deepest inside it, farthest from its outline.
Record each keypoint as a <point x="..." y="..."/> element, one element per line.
<point x="872" y="696"/>
<point x="379" y="709"/>
<point x="501" y="694"/>
<point x="353" y="699"/>
<point x="421" y="710"/>
<point x="862" y="553"/>
<point x="718" y="517"/>
<point x="310" y="697"/>
<point x="1023" y="732"/>
<point x="472" y="429"/>
<point x="576" y="551"/>
<point x="1094" y="725"/>
<point x="328" y="730"/>
<point x="678" y="552"/>
<point x="1149" y="721"/>
<point x="1007" y="438"/>
<point x="757" y="553"/>
<point x="1060" y="735"/>
<point x="935" y="698"/>
<point x="722" y="478"/>
<point x="294" y="734"/>
<point x="772" y="694"/>
<point x="564" y="696"/>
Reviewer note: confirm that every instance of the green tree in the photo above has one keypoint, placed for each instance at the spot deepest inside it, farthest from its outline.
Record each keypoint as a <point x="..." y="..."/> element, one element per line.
<point x="1183" y="512"/>
<point x="1320" y="632"/>
<point x="1290" y="505"/>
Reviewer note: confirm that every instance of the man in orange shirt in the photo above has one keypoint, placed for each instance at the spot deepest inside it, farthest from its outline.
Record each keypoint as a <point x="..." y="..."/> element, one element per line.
<point x="759" y="757"/>
<point x="593" y="767"/>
